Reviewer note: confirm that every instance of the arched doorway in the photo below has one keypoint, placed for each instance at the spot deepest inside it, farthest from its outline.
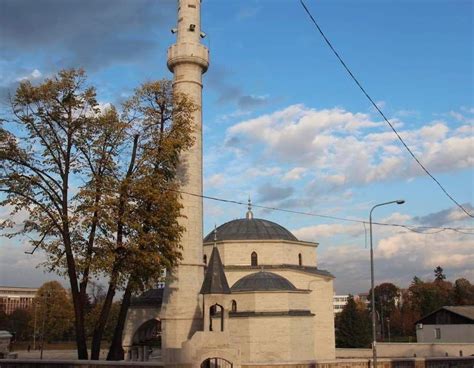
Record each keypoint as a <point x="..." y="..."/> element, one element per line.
<point x="216" y="363"/>
<point x="146" y="343"/>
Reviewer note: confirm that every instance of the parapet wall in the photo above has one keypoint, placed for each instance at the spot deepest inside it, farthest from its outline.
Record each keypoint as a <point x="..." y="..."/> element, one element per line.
<point x="402" y="350"/>
<point x="464" y="362"/>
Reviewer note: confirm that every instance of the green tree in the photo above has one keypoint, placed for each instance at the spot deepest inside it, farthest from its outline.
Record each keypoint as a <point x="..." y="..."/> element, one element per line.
<point x="353" y="327"/>
<point x="20" y="321"/>
<point x="54" y="311"/>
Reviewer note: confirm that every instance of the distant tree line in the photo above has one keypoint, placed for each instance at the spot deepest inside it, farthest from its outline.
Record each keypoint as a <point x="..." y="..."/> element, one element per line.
<point x="397" y="309"/>
<point x="51" y="317"/>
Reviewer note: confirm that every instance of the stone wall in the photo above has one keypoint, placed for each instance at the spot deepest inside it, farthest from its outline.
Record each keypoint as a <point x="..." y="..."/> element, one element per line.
<point x="397" y="350"/>
<point x="270" y="252"/>
<point x="30" y="363"/>
<point x="465" y="362"/>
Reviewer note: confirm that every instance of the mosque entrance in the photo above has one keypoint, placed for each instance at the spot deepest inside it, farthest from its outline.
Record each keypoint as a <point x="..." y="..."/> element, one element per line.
<point x="146" y="343"/>
<point x="216" y="363"/>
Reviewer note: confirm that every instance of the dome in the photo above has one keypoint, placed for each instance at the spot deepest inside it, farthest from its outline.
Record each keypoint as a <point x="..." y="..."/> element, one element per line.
<point x="152" y="297"/>
<point x="250" y="229"/>
<point x="263" y="281"/>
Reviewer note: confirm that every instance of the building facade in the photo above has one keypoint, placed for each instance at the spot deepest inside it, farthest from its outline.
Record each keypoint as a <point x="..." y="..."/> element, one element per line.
<point x="447" y="325"/>
<point x="339" y="302"/>
<point x="264" y="301"/>
<point x="12" y="298"/>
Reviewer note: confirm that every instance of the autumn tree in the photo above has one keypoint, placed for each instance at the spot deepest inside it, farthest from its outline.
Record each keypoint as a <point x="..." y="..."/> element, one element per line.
<point x="386" y="298"/>
<point x="463" y="292"/>
<point x="54" y="312"/>
<point x="353" y="327"/>
<point x="164" y="118"/>
<point x="99" y="186"/>
<point x="39" y="156"/>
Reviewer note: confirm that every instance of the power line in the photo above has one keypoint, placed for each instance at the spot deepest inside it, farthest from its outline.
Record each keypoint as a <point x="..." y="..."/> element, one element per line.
<point x="408" y="227"/>
<point x="381" y="113"/>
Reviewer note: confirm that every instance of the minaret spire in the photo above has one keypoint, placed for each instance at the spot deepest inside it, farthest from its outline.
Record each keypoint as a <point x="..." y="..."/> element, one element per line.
<point x="188" y="60"/>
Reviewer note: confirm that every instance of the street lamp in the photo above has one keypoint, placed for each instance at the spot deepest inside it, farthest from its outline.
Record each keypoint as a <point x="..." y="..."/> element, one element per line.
<point x="374" y="332"/>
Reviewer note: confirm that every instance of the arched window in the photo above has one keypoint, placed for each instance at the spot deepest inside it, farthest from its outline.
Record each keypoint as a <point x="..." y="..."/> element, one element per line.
<point x="214" y="312"/>
<point x="234" y="306"/>
<point x="300" y="259"/>
<point x="254" y="259"/>
<point x="204" y="259"/>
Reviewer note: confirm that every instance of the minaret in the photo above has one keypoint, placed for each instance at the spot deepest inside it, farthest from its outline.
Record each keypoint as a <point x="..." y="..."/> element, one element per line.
<point x="181" y="313"/>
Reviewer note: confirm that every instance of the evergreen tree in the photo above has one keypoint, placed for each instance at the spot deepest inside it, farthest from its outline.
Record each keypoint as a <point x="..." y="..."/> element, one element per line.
<point x="439" y="275"/>
<point x="353" y="328"/>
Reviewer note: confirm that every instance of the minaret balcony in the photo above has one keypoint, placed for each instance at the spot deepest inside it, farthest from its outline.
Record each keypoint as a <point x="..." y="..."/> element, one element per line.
<point x="186" y="52"/>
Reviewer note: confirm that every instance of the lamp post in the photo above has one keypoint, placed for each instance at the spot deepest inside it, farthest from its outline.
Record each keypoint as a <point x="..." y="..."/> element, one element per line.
<point x="374" y="332"/>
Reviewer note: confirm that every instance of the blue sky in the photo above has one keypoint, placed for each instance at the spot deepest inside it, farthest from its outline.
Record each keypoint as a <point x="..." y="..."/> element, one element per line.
<point x="283" y="122"/>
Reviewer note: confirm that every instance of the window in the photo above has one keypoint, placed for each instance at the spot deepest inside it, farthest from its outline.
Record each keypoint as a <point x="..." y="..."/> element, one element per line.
<point x="254" y="259"/>
<point x="437" y="333"/>
<point x="215" y="313"/>
<point x="204" y="259"/>
<point x="234" y="306"/>
<point x="300" y="259"/>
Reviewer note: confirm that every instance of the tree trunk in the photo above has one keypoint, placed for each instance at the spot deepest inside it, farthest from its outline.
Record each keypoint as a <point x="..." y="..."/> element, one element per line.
<point x="100" y="325"/>
<point x="116" y="351"/>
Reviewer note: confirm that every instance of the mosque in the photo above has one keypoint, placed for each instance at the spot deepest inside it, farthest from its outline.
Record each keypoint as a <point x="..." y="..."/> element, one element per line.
<point x="249" y="294"/>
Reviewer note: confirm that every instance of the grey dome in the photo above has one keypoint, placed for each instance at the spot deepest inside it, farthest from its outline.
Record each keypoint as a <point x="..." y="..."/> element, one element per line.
<point x="250" y="229"/>
<point x="263" y="281"/>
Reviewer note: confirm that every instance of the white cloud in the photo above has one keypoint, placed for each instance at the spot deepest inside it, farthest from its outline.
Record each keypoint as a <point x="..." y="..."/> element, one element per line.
<point x="342" y="148"/>
<point x="398" y="256"/>
<point x="295" y="173"/>
<point x="35" y="74"/>
<point x="317" y="232"/>
<point x="465" y="116"/>
<point x="262" y="171"/>
<point x="215" y="180"/>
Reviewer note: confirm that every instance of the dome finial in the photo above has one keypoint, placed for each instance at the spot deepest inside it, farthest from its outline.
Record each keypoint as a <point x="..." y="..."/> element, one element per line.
<point x="249" y="214"/>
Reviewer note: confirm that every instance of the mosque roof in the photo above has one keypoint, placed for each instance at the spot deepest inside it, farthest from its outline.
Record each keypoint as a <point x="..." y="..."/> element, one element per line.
<point x="251" y="229"/>
<point x="263" y="281"/>
<point x="215" y="281"/>
<point x="151" y="298"/>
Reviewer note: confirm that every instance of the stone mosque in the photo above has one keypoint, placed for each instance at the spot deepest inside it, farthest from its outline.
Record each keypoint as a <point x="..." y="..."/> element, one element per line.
<point x="249" y="294"/>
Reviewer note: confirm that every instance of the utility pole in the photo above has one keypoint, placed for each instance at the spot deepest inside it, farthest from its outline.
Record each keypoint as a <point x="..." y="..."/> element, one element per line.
<point x="44" y="322"/>
<point x="34" y="324"/>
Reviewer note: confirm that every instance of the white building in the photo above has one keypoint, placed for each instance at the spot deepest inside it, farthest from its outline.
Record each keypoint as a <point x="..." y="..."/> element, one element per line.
<point x="339" y="302"/>
<point x="249" y="294"/>
<point x="12" y="297"/>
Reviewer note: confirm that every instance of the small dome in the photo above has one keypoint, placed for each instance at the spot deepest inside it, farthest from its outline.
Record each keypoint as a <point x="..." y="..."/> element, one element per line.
<point x="250" y="229"/>
<point x="152" y="297"/>
<point x="262" y="281"/>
